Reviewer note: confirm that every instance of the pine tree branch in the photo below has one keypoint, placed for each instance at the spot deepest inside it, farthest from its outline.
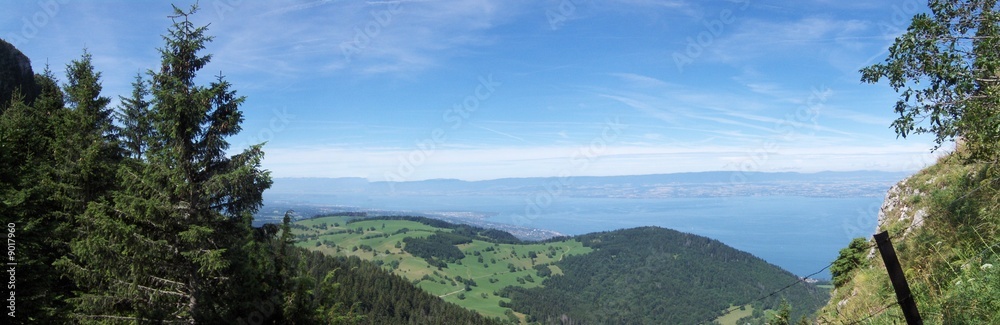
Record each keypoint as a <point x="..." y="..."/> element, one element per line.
<point x="162" y="280"/>
<point x="178" y="294"/>
<point x="135" y="319"/>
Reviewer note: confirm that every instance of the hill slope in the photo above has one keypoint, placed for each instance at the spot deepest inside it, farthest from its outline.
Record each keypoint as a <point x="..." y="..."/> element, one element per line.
<point x="644" y="275"/>
<point x="653" y="275"/>
<point x="356" y="291"/>
<point x="945" y="225"/>
<point x="469" y="272"/>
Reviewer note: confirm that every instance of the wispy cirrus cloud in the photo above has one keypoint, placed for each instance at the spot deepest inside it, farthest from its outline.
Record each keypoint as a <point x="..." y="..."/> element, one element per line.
<point x="814" y="35"/>
<point x="407" y="62"/>
<point x="767" y="112"/>
<point x="367" y="38"/>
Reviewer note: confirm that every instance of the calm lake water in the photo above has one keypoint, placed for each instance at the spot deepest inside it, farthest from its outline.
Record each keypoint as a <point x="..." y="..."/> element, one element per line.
<point x="800" y="234"/>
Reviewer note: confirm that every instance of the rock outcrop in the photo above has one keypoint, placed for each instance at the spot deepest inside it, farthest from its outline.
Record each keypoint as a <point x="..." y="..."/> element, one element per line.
<point x="15" y="74"/>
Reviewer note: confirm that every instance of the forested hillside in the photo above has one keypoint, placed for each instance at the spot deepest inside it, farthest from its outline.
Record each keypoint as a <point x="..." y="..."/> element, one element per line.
<point x="136" y="214"/>
<point x="634" y="276"/>
<point x="653" y="275"/>
<point x="462" y="264"/>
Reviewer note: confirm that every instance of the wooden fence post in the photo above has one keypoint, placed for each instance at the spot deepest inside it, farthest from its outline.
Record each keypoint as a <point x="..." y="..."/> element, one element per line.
<point x="903" y="296"/>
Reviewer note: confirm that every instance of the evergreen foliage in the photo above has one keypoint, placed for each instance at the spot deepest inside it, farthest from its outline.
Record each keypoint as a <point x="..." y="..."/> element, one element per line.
<point x="27" y="188"/>
<point x="56" y="158"/>
<point x="653" y="275"/>
<point x="472" y="232"/>
<point x="86" y="137"/>
<point x="139" y="216"/>
<point x="635" y="276"/>
<point x="134" y="115"/>
<point x="782" y="316"/>
<point x="438" y="248"/>
<point x="317" y="289"/>
<point x="851" y="257"/>
<point x="184" y="211"/>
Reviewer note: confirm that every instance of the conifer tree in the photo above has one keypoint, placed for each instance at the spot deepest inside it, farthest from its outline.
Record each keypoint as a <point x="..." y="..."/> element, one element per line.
<point x="25" y="203"/>
<point x="175" y="243"/>
<point x="50" y="99"/>
<point x="83" y="155"/>
<point x="85" y="150"/>
<point x="26" y="199"/>
<point x="134" y="115"/>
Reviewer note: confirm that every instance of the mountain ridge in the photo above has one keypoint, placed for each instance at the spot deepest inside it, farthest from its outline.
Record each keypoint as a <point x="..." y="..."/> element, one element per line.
<point x="657" y="175"/>
<point x="695" y="184"/>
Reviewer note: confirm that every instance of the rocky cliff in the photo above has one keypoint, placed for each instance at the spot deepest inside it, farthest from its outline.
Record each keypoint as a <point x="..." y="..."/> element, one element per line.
<point x="15" y="73"/>
<point x="943" y="222"/>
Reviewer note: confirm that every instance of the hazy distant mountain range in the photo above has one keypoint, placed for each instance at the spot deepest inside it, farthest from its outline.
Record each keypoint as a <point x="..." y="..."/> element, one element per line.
<point x="322" y="196"/>
<point x="700" y="184"/>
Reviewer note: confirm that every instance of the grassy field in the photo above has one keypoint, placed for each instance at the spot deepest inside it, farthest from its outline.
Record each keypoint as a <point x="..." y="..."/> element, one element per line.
<point x="735" y="315"/>
<point x="491" y="266"/>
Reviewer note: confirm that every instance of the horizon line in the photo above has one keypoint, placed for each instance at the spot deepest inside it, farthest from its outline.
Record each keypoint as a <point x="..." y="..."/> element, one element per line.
<point x="598" y="176"/>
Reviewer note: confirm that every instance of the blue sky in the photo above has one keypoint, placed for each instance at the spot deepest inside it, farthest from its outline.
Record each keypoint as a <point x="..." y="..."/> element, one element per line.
<point x="410" y="90"/>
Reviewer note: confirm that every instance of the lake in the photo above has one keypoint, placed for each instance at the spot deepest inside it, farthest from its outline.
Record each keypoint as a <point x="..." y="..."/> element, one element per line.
<point x="799" y="234"/>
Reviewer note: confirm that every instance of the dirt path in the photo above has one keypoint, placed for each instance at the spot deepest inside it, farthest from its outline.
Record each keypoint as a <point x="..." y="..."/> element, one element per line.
<point x="451" y="293"/>
<point x="568" y="248"/>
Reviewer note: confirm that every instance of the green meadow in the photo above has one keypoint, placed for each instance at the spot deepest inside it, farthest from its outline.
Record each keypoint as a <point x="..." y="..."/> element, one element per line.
<point x="732" y="317"/>
<point x="472" y="282"/>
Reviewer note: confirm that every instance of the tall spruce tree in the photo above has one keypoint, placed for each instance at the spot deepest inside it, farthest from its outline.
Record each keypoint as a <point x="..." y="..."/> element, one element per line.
<point x="26" y="191"/>
<point x="84" y="156"/>
<point x="134" y="116"/>
<point x="85" y="148"/>
<point x="175" y="242"/>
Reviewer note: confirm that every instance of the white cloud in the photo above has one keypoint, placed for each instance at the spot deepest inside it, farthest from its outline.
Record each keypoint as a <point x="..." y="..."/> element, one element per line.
<point x="641" y="80"/>
<point x="387" y="37"/>
<point x="491" y="163"/>
<point x="821" y="37"/>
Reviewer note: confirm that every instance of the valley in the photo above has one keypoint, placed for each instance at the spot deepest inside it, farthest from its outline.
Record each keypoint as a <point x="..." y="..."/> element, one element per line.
<point x="500" y="276"/>
<point x="472" y="281"/>
<point x="501" y="162"/>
